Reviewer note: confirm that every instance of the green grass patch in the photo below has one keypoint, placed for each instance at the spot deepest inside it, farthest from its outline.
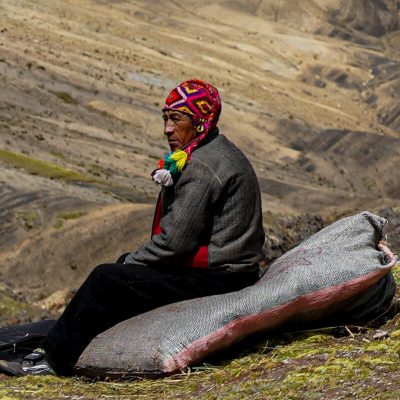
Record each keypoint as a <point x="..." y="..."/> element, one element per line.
<point x="58" y="224"/>
<point x="71" y="215"/>
<point x="12" y="308"/>
<point x="28" y="218"/>
<point x="42" y="168"/>
<point x="303" y="366"/>
<point x="53" y="171"/>
<point x="58" y="154"/>
<point x="66" y="216"/>
<point x="396" y="273"/>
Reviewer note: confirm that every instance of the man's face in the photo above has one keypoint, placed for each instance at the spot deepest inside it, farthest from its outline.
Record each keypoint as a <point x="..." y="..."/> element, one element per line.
<point x="179" y="129"/>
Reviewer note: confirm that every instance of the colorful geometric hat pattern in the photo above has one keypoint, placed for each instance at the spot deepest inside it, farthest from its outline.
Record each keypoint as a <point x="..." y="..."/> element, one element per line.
<point x="198" y="99"/>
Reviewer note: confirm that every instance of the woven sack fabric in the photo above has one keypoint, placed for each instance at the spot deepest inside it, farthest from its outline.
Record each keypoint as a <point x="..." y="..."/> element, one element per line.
<point x="322" y="275"/>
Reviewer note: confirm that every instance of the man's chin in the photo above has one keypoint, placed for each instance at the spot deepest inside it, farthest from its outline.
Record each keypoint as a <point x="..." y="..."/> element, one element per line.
<point x="173" y="146"/>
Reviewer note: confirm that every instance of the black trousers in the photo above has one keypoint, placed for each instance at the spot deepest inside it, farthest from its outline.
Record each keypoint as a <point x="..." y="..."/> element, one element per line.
<point x="115" y="292"/>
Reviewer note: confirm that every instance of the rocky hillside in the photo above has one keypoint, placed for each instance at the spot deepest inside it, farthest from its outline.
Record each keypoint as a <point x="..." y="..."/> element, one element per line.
<point x="309" y="93"/>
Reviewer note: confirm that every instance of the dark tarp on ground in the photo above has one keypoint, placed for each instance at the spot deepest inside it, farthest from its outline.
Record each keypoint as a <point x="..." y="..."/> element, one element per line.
<point x="18" y="341"/>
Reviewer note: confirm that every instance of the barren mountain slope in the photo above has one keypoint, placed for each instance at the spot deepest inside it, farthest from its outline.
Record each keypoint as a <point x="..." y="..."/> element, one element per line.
<point x="309" y="93"/>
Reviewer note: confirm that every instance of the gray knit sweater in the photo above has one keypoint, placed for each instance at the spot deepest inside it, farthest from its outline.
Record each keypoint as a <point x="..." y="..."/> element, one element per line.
<point x="215" y="202"/>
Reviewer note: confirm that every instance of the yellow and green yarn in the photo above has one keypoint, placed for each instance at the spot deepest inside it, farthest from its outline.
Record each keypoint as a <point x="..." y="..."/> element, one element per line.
<point x="170" y="167"/>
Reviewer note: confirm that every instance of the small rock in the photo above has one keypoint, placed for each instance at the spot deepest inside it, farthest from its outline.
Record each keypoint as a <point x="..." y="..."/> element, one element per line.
<point x="380" y="335"/>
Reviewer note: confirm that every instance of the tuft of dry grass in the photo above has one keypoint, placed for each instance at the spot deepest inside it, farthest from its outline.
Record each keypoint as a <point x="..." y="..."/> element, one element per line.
<point x="66" y="97"/>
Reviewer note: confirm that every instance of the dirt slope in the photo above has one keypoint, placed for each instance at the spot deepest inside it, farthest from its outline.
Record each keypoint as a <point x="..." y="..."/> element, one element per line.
<point x="309" y="93"/>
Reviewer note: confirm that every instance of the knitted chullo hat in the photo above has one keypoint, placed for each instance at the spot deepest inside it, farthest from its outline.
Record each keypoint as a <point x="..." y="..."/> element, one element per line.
<point x="202" y="103"/>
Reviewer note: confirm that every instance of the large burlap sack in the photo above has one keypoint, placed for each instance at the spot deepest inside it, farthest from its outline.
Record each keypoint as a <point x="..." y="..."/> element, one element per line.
<point x="321" y="276"/>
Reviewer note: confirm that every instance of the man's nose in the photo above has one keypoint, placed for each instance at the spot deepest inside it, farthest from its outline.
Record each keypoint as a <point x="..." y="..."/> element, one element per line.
<point x="169" y="127"/>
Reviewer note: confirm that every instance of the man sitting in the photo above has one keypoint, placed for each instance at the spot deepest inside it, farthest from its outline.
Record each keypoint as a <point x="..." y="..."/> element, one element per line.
<point x="207" y="235"/>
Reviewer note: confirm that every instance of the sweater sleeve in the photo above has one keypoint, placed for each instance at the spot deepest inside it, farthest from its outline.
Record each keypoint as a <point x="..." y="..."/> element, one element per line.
<point x="184" y="226"/>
